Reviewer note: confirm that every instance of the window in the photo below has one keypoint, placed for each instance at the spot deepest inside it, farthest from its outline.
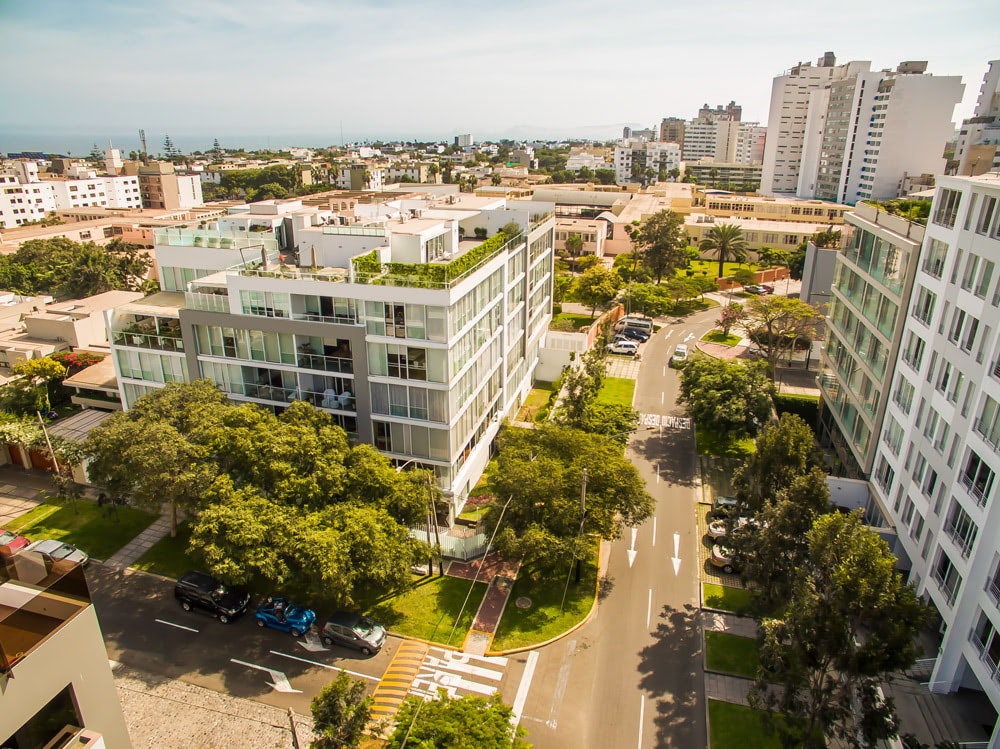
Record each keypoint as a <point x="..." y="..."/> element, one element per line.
<point x="960" y="528"/>
<point x="903" y="396"/>
<point x="884" y="474"/>
<point x="893" y="435"/>
<point x="988" y="423"/>
<point x="923" y="310"/>
<point x="265" y="303"/>
<point x="947" y="577"/>
<point x="934" y="259"/>
<point x="969" y="338"/>
<point x="977" y="478"/>
<point x="971" y="266"/>
<point x="913" y="354"/>
<point x="947" y="208"/>
<point x="985" y="277"/>
<point x="986" y="214"/>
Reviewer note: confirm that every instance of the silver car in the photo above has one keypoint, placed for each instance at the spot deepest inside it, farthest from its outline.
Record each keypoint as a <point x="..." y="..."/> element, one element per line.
<point x="58" y="550"/>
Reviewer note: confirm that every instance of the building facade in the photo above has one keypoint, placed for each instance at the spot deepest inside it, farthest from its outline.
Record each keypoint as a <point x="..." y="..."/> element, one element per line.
<point x="978" y="147"/>
<point x="632" y="160"/>
<point x="421" y="358"/>
<point x="161" y="187"/>
<point x="938" y="450"/>
<point x="750" y="143"/>
<point x="672" y="130"/>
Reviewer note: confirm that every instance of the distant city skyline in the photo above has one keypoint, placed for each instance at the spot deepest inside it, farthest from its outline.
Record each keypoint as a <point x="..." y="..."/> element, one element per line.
<point x="245" y="72"/>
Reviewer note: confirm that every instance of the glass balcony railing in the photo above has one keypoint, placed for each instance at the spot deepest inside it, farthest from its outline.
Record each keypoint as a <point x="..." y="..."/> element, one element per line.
<point x="316" y="317"/>
<point x="207" y="302"/>
<point x="329" y="399"/>
<point x="148" y="340"/>
<point x="326" y="363"/>
<point x="226" y="240"/>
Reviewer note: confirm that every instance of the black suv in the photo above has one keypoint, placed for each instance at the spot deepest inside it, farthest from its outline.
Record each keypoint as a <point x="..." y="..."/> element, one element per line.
<point x="200" y="592"/>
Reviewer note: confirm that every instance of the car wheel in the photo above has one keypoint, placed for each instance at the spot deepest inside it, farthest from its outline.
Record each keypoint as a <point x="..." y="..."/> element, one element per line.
<point x="366" y="651"/>
<point x="185" y="605"/>
<point x="223" y="618"/>
<point x="296" y="632"/>
<point x="728" y="568"/>
<point x="260" y="622"/>
<point x="327" y="642"/>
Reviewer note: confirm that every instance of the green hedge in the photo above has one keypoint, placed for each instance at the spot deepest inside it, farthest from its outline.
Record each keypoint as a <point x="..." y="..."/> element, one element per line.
<point x="418" y="274"/>
<point x="806" y="407"/>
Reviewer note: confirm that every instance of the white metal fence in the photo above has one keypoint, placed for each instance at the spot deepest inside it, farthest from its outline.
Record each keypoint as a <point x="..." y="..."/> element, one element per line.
<point x="453" y="547"/>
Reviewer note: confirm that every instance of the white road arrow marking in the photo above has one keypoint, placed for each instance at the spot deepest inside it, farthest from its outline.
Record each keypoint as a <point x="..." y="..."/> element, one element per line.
<point x="311" y="642"/>
<point x="279" y="682"/>
<point x="325" y="665"/>
<point x="689" y="337"/>
<point x="669" y="333"/>
<point x="632" y="552"/>
<point x="676" y="557"/>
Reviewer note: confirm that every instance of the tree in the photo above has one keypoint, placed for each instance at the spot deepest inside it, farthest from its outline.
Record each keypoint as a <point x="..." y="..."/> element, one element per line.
<point x="496" y="179"/>
<point x="675" y="173"/>
<point x="44" y="369"/>
<point x="96" y="157"/>
<point x="784" y="452"/>
<point x="605" y="176"/>
<point x="681" y="289"/>
<point x="456" y="723"/>
<point x="726" y="397"/>
<point x="726" y="242"/>
<point x="340" y="713"/>
<point x="850" y="623"/>
<point x="660" y="243"/>
<point x="776" y="324"/>
<point x="169" y="150"/>
<point x="216" y="149"/>
<point x="743" y="276"/>
<point x="769" y="257"/>
<point x="648" y="299"/>
<point x="827" y="238"/>
<point x="596" y="287"/>
<point x="730" y="315"/>
<point x="540" y="470"/>
<point x="574" y="245"/>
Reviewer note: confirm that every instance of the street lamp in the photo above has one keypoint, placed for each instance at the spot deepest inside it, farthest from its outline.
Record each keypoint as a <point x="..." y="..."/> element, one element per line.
<point x="432" y="514"/>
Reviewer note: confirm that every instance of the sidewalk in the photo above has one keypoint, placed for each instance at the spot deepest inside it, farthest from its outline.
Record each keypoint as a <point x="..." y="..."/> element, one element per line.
<point x="727" y="688"/>
<point x="500" y="574"/>
<point x="718" y="621"/>
<point x="129" y="554"/>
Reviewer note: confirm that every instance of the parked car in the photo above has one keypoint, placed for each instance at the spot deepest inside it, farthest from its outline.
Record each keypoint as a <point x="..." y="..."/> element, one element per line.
<point x="10" y="542"/>
<point x="717" y="529"/>
<point x="635" y="334"/>
<point x="58" y="550"/>
<point x="284" y="615"/>
<point x="680" y="354"/>
<point x="636" y="322"/>
<point x="723" y="507"/>
<point x="722" y="557"/>
<point x="624" y="347"/>
<point x="754" y="289"/>
<point x="354" y="631"/>
<point x="198" y="591"/>
<point x="768" y="288"/>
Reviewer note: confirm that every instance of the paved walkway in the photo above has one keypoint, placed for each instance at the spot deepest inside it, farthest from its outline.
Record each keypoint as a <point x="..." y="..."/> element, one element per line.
<point x="716" y="621"/>
<point x="621" y="366"/>
<point x="727" y="688"/>
<point x="486" y="568"/>
<point x="129" y="554"/>
<point x="20" y="491"/>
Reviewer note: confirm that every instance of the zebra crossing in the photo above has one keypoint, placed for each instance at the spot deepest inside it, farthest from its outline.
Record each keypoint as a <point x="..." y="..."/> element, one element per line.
<point x="459" y="674"/>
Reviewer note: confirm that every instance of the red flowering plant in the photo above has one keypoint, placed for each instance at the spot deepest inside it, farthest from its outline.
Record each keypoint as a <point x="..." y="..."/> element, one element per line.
<point x="74" y="361"/>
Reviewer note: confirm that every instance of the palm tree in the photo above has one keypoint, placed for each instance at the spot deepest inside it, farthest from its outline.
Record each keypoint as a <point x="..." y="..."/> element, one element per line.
<point x="726" y="241"/>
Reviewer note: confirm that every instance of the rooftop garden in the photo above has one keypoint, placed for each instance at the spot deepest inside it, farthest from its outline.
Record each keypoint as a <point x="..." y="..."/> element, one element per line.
<point x="916" y="211"/>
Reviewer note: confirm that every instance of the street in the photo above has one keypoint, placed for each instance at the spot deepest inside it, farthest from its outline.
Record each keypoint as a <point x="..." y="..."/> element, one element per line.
<point x="632" y="676"/>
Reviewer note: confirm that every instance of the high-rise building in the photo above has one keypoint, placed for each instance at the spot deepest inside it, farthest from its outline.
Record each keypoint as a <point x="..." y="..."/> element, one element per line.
<point x="711" y="138"/>
<point x="632" y="160"/>
<point x="415" y="336"/>
<point x="865" y="132"/>
<point x="978" y="148"/>
<point x="750" y="143"/>
<point x="58" y="689"/>
<point x="786" y="122"/>
<point x="672" y="130"/>
<point x="162" y="187"/>
<point x="732" y="111"/>
<point x="938" y="451"/>
<point x="464" y="140"/>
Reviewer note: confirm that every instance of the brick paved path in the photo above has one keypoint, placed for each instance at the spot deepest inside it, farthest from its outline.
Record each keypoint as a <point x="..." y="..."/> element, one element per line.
<point x="129" y="554"/>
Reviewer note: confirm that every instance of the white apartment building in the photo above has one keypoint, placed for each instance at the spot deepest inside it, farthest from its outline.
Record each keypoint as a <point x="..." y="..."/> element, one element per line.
<point x="465" y="140"/>
<point x="750" y="143"/>
<point x="416" y="324"/>
<point x="360" y="177"/>
<point x="578" y="161"/>
<point x="23" y="202"/>
<point x="711" y="138"/>
<point x="636" y="156"/>
<point x="938" y="452"/>
<point x="865" y="132"/>
<point x="978" y="146"/>
<point x="787" y="116"/>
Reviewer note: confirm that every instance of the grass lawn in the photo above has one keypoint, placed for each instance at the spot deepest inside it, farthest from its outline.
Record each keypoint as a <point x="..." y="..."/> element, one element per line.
<point x="577" y="321"/>
<point x="711" y="268"/>
<point x="737" y="727"/>
<point x="717" y="336"/>
<point x="617" y="390"/>
<point x="731" y="653"/>
<point x="692" y="305"/>
<point x="81" y="524"/>
<point x="533" y="408"/>
<point x="543" y="620"/>
<point x="429" y="609"/>
<point x="725" y="597"/>
<point x="711" y="442"/>
<point x="169" y="556"/>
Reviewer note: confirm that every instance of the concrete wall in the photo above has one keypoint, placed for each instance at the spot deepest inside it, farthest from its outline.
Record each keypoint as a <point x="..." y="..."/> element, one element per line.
<point x="817" y="276"/>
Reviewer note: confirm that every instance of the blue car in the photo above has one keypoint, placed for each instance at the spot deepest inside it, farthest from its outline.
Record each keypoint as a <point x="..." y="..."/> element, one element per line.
<point x="285" y="615"/>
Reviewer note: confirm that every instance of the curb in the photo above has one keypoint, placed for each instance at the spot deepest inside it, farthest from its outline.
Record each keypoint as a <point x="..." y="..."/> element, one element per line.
<point x="571" y="630"/>
<point x="425" y="642"/>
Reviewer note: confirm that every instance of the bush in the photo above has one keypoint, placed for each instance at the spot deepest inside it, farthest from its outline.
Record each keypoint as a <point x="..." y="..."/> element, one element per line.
<point x="556" y="309"/>
<point x="480" y="232"/>
<point x="805" y="407"/>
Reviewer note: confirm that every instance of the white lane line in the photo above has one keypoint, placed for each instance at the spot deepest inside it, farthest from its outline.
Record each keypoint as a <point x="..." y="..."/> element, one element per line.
<point x="663" y="396"/>
<point x="179" y="626"/>
<point x="324" y="665"/>
<point x="664" y="370"/>
<point x="649" y="607"/>
<point x="669" y="333"/>
<point x="522" y="689"/>
<point x="642" y="713"/>
<point x="561" y="683"/>
<point x="654" y="516"/>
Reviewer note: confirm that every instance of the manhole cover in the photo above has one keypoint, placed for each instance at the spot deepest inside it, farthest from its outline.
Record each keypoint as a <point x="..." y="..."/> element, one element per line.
<point x="523" y="602"/>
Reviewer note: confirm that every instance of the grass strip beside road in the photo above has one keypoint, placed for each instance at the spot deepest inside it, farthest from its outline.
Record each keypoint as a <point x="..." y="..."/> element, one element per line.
<point x="428" y="610"/>
<point x="710" y="442"/>
<point x="617" y="391"/>
<point x="717" y="336"/>
<point x="169" y="556"/>
<point x="735" y="726"/>
<point x="725" y="598"/>
<point x="542" y="621"/>
<point x="731" y="653"/>
<point x="82" y="523"/>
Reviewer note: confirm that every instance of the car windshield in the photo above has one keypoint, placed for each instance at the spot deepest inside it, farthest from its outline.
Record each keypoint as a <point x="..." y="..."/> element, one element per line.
<point x="365" y="626"/>
<point x="62" y="551"/>
<point x="6" y="537"/>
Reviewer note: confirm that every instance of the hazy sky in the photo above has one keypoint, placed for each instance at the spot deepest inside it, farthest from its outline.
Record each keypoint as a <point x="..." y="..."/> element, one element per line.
<point x="430" y="69"/>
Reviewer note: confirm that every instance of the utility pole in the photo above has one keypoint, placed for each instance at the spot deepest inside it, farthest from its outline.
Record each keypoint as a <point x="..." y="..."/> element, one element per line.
<point x="437" y="534"/>
<point x="583" y="516"/>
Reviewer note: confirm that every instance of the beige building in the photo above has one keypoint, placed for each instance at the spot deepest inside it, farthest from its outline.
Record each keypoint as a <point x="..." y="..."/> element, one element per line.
<point x="592" y="231"/>
<point x="57" y="685"/>
<point x="162" y="187"/>
<point x="781" y="235"/>
<point x="726" y="205"/>
<point x="707" y="170"/>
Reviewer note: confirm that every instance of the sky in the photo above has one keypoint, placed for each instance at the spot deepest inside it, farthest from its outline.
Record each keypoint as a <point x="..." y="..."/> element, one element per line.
<point x="296" y="72"/>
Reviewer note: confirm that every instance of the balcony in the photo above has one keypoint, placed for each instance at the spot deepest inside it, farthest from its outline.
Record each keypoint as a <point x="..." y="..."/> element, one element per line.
<point x="148" y="340"/>
<point x="226" y="240"/>
<point x="323" y="363"/>
<point x="38" y="594"/>
<point x="334" y="319"/>
<point x="977" y="492"/>
<point x="329" y="399"/>
<point x="948" y="586"/>
<point x="992" y="588"/>
<point x="964" y="545"/>
<point x="207" y="302"/>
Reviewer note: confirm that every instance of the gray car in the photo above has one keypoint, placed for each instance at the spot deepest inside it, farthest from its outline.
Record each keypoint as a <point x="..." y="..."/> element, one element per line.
<point x="58" y="550"/>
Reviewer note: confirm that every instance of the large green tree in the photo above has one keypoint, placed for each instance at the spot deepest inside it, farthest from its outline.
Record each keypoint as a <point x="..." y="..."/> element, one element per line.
<point x="471" y="722"/>
<point x="340" y="714"/>
<point x="851" y="621"/>
<point x="540" y="472"/>
<point x="66" y="268"/>
<point x="649" y="299"/>
<point x="784" y="452"/>
<point x="595" y="287"/>
<point x="661" y="243"/>
<point x="726" y="242"/>
<point x="726" y="397"/>
<point x="777" y="323"/>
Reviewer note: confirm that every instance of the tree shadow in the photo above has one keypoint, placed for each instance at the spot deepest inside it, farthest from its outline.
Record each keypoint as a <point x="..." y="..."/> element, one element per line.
<point x="671" y="668"/>
<point x="673" y="452"/>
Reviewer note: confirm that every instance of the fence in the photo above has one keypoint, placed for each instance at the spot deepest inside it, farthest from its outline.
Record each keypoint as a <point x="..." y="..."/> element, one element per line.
<point x="454" y="547"/>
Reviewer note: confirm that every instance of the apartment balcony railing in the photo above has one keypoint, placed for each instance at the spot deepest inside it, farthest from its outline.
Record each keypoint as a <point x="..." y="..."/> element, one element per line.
<point x="977" y="492"/>
<point x="326" y="363"/>
<point x="950" y="590"/>
<point x="329" y="399"/>
<point x="148" y="340"/>
<point x="992" y="588"/>
<point x="335" y="319"/>
<point x="355" y="231"/>
<point x="226" y="240"/>
<point x="984" y="655"/>
<point x="328" y="275"/>
<point x="207" y="302"/>
<point x="964" y="545"/>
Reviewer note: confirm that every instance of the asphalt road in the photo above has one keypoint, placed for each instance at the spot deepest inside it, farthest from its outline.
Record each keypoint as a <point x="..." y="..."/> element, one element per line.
<point x="144" y="627"/>
<point x="633" y="677"/>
